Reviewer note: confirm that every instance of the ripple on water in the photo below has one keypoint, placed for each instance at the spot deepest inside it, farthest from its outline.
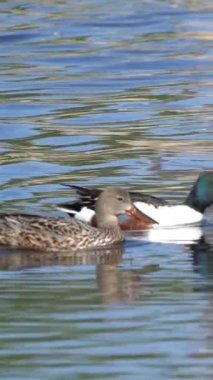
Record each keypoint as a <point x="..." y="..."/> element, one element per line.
<point x="106" y="93"/>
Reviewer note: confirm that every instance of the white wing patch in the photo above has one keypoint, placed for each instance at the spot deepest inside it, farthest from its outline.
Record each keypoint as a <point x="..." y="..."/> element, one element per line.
<point x="173" y="215"/>
<point x="85" y="215"/>
<point x="66" y="209"/>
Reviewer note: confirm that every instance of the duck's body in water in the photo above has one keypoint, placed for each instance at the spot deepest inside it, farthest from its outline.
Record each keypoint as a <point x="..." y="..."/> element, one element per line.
<point x="53" y="234"/>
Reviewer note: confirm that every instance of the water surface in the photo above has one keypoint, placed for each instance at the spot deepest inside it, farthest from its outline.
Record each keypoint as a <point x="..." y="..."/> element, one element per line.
<point x="103" y="93"/>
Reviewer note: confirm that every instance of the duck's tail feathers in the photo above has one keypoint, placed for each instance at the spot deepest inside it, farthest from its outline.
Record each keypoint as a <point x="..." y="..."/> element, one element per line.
<point x="84" y="192"/>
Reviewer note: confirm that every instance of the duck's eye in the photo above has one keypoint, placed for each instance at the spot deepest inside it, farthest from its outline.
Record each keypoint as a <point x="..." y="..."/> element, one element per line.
<point x="120" y="199"/>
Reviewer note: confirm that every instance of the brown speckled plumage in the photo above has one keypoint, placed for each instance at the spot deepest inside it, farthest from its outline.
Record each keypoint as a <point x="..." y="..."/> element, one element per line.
<point x="53" y="234"/>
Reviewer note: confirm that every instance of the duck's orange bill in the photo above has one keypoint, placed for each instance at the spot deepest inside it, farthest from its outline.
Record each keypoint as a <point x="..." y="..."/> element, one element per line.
<point x="139" y="215"/>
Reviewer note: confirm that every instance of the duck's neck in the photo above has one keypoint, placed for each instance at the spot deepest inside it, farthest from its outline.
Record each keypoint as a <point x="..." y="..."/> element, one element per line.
<point x="192" y="202"/>
<point x="197" y="200"/>
<point x="107" y="221"/>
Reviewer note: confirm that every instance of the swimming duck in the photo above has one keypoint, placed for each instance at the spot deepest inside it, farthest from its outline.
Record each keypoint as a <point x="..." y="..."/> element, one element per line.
<point x="161" y="212"/>
<point x="54" y="234"/>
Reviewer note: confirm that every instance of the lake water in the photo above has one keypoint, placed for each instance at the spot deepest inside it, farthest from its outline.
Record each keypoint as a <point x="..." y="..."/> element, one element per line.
<point x="101" y="93"/>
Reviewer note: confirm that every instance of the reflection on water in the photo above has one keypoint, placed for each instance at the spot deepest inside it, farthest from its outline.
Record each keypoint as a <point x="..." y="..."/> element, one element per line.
<point x="114" y="285"/>
<point x="119" y="318"/>
<point x="102" y="93"/>
<point x="202" y="254"/>
<point x="13" y="259"/>
<point x="172" y="235"/>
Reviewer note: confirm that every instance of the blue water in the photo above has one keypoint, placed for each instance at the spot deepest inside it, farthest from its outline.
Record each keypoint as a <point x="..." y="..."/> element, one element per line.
<point x="106" y="93"/>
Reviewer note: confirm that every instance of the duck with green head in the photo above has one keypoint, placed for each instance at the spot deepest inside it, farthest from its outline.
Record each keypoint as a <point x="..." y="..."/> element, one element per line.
<point x="161" y="212"/>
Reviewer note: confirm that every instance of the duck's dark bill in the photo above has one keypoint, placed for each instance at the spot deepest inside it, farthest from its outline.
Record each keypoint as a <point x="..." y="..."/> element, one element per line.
<point x="135" y="213"/>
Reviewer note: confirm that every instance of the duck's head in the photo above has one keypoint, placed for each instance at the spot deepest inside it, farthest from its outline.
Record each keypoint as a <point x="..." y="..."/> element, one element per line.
<point x="201" y="195"/>
<point x="112" y="202"/>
